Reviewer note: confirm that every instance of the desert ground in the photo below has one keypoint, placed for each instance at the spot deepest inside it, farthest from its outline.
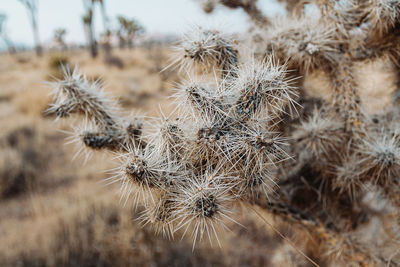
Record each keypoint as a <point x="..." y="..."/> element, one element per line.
<point x="58" y="211"/>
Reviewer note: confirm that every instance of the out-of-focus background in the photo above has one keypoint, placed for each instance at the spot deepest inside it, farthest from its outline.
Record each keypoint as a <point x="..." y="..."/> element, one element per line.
<point x="56" y="211"/>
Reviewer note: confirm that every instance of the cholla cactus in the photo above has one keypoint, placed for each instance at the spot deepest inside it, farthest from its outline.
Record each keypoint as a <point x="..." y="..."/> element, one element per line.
<point x="208" y="49"/>
<point x="105" y="127"/>
<point x="240" y="135"/>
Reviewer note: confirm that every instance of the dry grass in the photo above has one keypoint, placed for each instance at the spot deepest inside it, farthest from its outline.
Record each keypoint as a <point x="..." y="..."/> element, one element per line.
<point x="22" y="161"/>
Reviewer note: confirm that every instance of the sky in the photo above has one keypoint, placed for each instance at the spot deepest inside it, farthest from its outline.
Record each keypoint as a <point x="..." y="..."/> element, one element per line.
<point x="157" y="16"/>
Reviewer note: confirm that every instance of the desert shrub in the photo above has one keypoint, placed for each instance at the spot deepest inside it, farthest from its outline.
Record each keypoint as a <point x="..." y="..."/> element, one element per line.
<point x="23" y="161"/>
<point x="113" y="60"/>
<point x="56" y="62"/>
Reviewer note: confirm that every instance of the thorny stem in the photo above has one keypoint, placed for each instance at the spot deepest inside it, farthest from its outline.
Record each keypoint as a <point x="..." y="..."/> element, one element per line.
<point x="349" y="248"/>
<point x="284" y="237"/>
<point x="346" y="98"/>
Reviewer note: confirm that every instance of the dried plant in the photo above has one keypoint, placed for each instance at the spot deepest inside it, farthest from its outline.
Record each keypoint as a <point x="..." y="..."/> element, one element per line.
<point x="247" y="133"/>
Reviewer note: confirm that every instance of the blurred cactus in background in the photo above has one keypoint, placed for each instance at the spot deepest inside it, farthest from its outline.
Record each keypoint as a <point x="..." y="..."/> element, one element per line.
<point x="128" y="30"/>
<point x="248" y="6"/>
<point x="59" y="37"/>
<point x="88" y="19"/>
<point x="247" y="131"/>
<point x="104" y="15"/>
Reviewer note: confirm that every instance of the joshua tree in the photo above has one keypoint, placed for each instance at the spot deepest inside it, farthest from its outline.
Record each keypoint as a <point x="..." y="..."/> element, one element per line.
<point x="128" y="30"/>
<point x="88" y="18"/>
<point x="88" y="25"/>
<point x="32" y="8"/>
<point x="3" y="34"/>
<point x="104" y="15"/>
<point x="59" y="37"/>
<point x="326" y="166"/>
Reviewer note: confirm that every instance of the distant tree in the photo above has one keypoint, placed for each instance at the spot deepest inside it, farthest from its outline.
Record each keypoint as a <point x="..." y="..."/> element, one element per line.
<point x="32" y="8"/>
<point x="106" y="36"/>
<point x="88" y="26"/>
<point x="128" y="30"/>
<point x="3" y="34"/>
<point x="104" y="15"/>
<point x="59" y="37"/>
<point x="88" y="18"/>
